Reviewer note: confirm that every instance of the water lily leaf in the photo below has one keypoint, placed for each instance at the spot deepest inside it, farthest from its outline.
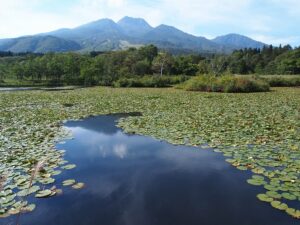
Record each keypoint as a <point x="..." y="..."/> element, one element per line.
<point x="43" y="194"/>
<point x="256" y="182"/>
<point x="47" y="180"/>
<point x="289" y="196"/>
<point x="264" y="198"/>
<point x="29" y="208"/>
<point x="14" y="211"/>
<point x="274" y="194"/>
<point x="293" y="212"/>
<point x="29" y="191"/>
<point x="69" y="167"/>
<point x="69" y="182"/>
<point x="78" y="186"/>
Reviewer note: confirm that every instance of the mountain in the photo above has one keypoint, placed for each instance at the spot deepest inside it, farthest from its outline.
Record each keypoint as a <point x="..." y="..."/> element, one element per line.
<point x="100" y="35"/>
<point x="38" y="44"/>
<point x="237" y="41"/>
<point x="171" y="38"/>
<point x="134" y="26"/>
<point x="106" y="35"/>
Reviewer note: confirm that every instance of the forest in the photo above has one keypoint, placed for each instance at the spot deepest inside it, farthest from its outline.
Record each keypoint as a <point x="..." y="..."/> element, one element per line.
<point x="106" y="68"/>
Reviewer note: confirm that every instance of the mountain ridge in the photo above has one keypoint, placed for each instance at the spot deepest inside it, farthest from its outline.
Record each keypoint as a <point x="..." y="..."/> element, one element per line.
<point x="107" y="35"/>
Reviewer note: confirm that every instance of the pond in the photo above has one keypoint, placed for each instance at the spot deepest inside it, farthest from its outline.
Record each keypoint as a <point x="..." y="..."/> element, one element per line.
<point x="138" y="180"/>
<point x="14" y="89"/>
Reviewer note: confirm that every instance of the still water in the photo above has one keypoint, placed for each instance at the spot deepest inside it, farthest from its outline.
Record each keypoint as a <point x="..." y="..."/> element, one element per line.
<point x="136" y="180"/>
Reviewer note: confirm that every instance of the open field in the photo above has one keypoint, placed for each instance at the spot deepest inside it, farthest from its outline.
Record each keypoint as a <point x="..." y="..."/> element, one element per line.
<point x="258" y="132"/>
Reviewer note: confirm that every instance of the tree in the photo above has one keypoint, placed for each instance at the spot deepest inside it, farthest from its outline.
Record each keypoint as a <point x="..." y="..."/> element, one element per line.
<point x="218" y="65"/>
<point x="148" y="52"/>
<point x="142" y="67"/>
<point x="162" y="62"/>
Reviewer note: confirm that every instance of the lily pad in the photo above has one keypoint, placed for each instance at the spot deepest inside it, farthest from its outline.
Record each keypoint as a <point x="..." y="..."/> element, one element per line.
<point x="78" y="186"/>
<point x="43" y="194"/>
<point x="69" y="182"/>
<point x="279" y="205"/>
<point x="69" y="167"/>
<point x="264" y="198"/>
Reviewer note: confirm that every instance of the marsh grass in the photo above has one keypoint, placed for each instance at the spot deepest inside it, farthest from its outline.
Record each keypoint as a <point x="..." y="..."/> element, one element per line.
<point x="2" y="181"/>
<point x="227" y="84"/>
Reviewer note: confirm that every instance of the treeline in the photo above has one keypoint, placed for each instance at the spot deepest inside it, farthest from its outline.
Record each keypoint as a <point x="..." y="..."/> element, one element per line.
<point x="105" y="68"/>
<point x="11" y="54"/>
<point x="97" y="68"/>
<point x="269" y="60"/>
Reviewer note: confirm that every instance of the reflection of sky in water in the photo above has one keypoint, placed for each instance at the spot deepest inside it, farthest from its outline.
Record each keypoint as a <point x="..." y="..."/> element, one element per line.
<point x="136" y="180"/>
<point x="104" y="148"/>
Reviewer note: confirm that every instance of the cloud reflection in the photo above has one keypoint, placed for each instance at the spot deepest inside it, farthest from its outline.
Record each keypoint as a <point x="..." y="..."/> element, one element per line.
<point x="120" y="150"/>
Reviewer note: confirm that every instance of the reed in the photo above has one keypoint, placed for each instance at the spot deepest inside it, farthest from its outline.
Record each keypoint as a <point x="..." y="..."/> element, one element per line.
<point x="36" y="169"/>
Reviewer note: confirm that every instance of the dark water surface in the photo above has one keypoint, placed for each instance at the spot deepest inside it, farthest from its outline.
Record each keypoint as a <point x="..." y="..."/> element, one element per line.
<point x="136" y="180"/>
<point x="16" y="89"/>
<point x="12" y="89"/>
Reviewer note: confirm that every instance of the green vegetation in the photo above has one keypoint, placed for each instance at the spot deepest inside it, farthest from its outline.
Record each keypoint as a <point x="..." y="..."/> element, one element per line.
<point x="129" y="67"/>
<point x="94" y="69"/>
<point x="228" y="84"/>
<point x="259" y="132"/>
<point x="269" y="60"/>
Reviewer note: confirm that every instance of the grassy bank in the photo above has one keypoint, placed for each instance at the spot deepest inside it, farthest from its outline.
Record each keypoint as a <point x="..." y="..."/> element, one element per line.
<point x="269" y="122"/>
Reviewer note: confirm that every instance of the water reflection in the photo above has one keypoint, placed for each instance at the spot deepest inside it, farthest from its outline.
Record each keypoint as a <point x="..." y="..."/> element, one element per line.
<point x="136" y="180"/>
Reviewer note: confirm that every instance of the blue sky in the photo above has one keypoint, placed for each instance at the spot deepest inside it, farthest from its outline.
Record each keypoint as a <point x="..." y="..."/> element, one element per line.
<point x="270" y="21"/>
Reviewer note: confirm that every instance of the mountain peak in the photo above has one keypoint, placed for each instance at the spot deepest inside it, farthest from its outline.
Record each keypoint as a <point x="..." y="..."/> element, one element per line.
<point x="134" y="26"/>
<point x="133" y="20"/>
<point x="101" y="23"/>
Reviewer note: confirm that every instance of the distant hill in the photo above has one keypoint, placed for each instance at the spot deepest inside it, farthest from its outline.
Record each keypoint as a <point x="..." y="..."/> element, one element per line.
<point x="107" y="35"/>
<point x="237" y="41"/>
<point x="38" y="44"/>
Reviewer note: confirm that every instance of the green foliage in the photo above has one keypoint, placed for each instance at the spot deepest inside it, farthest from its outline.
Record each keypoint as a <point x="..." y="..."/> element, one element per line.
<point x="228" y="84"/>
<point x="288" y="63"/>
<point x="260" y="61"/>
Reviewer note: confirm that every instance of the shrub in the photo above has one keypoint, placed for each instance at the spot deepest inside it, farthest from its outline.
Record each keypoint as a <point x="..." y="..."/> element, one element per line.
<point x="150" y="81"/>
<point x="228" y="84"/>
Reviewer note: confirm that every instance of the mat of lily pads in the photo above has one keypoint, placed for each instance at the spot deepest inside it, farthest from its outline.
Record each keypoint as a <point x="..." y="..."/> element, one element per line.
<point x="258" y="132"/>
